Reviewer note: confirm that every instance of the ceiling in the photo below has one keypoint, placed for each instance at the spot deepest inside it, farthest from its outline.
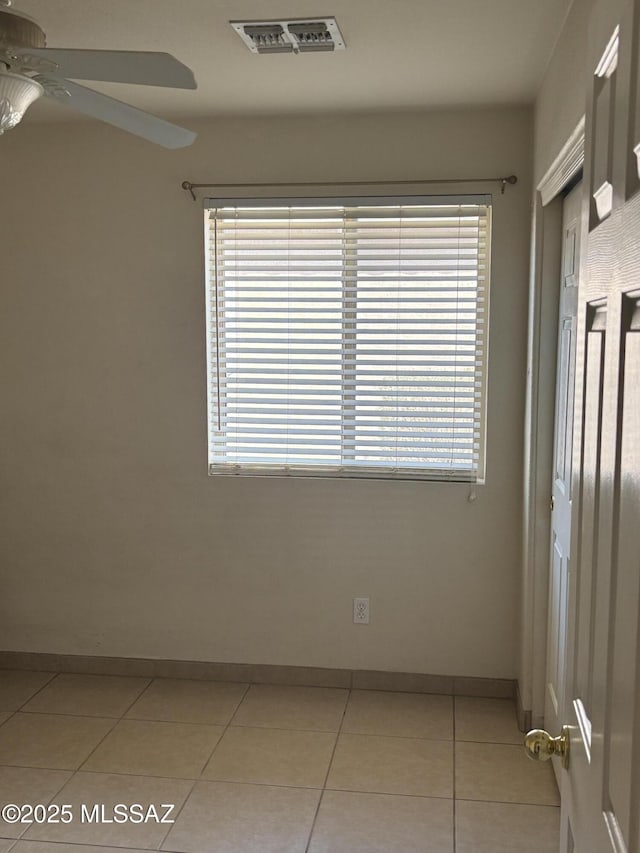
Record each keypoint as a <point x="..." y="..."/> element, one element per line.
<point x="401" y="54"/>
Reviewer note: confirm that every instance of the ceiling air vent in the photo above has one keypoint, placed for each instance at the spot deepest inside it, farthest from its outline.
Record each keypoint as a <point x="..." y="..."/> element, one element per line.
<point x="301" y="35"/>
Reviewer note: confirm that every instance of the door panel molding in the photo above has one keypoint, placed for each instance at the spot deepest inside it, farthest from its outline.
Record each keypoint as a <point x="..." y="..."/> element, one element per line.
<point x="587" y="514"/>
<point x="622" y="728"/>
<point x="603" y="99"/>
<point x="560" y="555"/>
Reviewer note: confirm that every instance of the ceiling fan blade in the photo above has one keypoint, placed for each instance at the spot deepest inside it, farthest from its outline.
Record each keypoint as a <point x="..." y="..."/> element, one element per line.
<point x="113" y="66"/>
<point x="117" y="113"/>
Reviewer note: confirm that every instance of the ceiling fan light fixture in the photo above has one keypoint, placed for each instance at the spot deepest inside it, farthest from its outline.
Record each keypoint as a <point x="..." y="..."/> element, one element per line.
<point x="17" y="93"/>
<point x="29" y="69"/>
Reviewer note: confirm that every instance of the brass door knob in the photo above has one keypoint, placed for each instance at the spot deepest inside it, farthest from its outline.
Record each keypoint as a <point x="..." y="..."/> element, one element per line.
<point x="541" y="746"/>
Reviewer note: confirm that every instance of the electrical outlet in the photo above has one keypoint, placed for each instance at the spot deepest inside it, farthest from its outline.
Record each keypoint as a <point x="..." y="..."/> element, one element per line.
<point x="361" y="611"/>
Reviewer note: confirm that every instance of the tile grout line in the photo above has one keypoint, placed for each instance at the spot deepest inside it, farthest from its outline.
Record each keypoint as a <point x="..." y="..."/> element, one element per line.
<point x="381" y="793"/>
<point x="116" y="720"/>
<point x="77" y="770"/>
<point x="127" y="719"/>
<point x="49" y="801"/>
<point x="49" y="681"/>
<point x="238" y="706"/>
<point x="264" y="784"/>
<point x="326" y="777"/>
<point x="455" y="842"/>
<point x="123" y="716"/>
<point x="194" y="781"/>
<point x="24" y="710"/>
<point x="79" y="844"/>
<point x="226" y="729"/>
<point x="11" y="715"/>
<point x="204" y="766"/>
<point x="231" y="724"/>
<point x="137" y="698"/>
<point x="180" y="810"/>
<point x="274" y="785"/>
<point x="355" y="734"/>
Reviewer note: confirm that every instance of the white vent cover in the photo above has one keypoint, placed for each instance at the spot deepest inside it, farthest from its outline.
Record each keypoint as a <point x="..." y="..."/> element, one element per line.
<point x="300" y="35"/>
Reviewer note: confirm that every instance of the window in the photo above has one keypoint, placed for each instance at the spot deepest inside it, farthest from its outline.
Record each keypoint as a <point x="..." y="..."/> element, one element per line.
<point x="348" y="337"/>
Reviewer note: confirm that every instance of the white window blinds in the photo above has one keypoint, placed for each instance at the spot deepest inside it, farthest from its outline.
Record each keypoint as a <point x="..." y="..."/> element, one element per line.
<point x="348" y="337"/>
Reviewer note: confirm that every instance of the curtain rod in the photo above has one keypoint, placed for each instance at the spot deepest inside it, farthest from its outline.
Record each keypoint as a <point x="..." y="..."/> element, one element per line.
<point x="189" y="187"/>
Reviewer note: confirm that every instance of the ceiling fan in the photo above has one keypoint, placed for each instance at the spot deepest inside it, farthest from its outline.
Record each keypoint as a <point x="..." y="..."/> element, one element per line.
<point x="29" y="70"/>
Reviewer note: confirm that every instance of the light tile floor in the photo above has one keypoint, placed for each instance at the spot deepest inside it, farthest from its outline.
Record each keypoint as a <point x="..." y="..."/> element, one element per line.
<point x="267" y="769"/>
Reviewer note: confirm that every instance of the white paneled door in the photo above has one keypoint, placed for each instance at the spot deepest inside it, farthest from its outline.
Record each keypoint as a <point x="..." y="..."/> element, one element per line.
<point x="601" y="683"/>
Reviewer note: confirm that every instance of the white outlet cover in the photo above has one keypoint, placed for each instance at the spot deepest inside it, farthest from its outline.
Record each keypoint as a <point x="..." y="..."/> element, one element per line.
<point x="361" y="611"/>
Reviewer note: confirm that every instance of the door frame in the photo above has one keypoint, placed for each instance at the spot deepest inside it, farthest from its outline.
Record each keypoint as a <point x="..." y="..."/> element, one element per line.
<point x="544" y="290"/>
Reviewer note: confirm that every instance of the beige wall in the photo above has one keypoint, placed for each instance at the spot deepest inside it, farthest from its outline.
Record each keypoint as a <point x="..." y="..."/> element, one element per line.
<point x="113" y="539"/>
<point x="561" y="100"/>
